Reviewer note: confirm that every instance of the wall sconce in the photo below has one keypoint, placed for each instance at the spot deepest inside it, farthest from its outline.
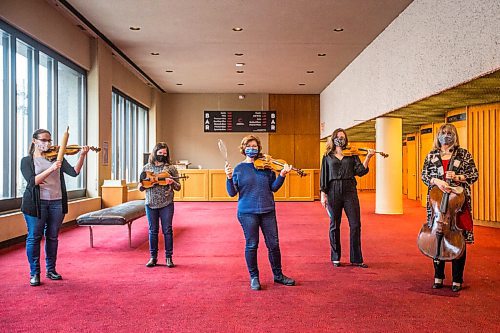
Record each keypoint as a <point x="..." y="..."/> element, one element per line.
<point x="241" y="96"/>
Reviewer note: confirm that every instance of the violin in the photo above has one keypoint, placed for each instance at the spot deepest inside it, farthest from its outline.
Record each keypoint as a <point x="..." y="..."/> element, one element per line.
<point x="53" y="151"/>
<point x="153" y="179"/>
<point x="443" y="240"/>
<point x="350" y="151"/>
<point x="267" y="162"/>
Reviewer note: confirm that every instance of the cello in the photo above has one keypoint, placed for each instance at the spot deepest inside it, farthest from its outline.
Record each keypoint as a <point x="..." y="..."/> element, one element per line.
<point x="442" y="240"/>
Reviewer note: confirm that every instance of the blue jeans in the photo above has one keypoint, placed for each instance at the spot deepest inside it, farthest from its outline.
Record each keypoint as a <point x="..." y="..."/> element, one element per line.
<point x="48" y="224"/>
<point x="166" y="215"/>
<point x="267" y="222"/>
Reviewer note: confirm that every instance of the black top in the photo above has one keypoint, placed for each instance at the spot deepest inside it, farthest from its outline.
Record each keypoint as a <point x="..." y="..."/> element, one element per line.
<point x="31" y="198"/>
<point x="334" y="169"/>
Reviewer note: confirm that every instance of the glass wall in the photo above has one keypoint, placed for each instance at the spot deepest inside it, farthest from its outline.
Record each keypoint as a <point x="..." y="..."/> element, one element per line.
<point x="130" y="137"/>
<point x="38" y="89"/>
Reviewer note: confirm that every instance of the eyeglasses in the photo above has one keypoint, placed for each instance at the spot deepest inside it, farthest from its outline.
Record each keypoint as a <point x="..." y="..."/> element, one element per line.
<point x="45" y="140"/>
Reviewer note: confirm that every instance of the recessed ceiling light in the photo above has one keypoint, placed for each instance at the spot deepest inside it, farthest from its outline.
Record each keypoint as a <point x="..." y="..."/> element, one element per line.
<point x="338" y="29"/>
<point x="321" y="54"/>
<point x="240" y="64"/>
<point x="240" y="72"/>
<point x="238" y="54"/>
<point x="178" y="84"/>
<point x="241" y="84"/>
<point x="155" y="53"/>
<point x="169" y="71"/>
<point x="309" y="72"/>
<point x="302" y="84"/>
<point x="135" y="28"/>
<point x="237" y="29"/>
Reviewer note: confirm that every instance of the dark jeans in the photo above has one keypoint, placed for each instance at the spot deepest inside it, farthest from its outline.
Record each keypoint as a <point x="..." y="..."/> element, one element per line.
<point x="267" y="222"/>
<point x="48" y="224"/>
<point x="347" y="200"/>
<point x="166" y="215"/>
<point x="457" y="268"/>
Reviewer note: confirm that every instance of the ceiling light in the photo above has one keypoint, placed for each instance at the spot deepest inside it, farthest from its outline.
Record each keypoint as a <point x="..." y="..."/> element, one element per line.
<point x="135" y="28"/>
<point x="338" y="29"/>
<point x="321" y="54"/>
<point x="241" y="84"/>
<point x="302" y="84"/>
<point x="155" y="53"/>
<point x="169" y="71"/>
<point x="240" y="64"/>
<point x="237" y="29"/>
<point x="240" y="72"/>
<point x="178" y="84"/>
<point x="309" y="72"/>
<point x="238" y="54"/>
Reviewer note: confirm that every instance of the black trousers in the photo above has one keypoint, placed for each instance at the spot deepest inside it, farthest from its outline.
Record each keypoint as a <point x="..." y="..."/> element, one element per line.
<point x="457" y="268"/>
<point x="345" y="197"/>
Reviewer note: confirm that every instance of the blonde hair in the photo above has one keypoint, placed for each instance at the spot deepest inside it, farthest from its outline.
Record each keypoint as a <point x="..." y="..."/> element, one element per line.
<point x="329" y="141"/>
<point x="246" y="140"/>
<point x="446" y="128"/>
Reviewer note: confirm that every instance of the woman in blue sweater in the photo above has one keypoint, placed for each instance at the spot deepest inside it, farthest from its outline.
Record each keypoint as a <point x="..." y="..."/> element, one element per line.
<point x="256" y="209"/>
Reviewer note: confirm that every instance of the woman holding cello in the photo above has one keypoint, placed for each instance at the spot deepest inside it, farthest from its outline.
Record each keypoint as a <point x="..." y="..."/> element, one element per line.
<point x="45" y="202"/>
<point x="338" y="191"/>
<point x="446" y="165"/>
<point x="160" y="202"/>
<point x="256" y="208"/>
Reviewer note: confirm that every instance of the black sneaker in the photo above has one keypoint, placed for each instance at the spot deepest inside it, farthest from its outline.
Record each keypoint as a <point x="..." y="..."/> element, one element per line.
<point x="170" y="263"/>
<point x="35" y="280"/>
<point x="53" y="275"/>
<point x="255" y="283"/>
<point x="152" y="262"/>
<point x="285" y="280"/>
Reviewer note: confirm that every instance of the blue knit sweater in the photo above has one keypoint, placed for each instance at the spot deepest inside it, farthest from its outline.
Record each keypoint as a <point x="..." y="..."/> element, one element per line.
<point x="255" y="188"/>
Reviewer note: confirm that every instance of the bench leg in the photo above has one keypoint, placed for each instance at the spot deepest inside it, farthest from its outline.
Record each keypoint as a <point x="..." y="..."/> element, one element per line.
<point x="129" y="234"/>
<point x="91" y="236"/>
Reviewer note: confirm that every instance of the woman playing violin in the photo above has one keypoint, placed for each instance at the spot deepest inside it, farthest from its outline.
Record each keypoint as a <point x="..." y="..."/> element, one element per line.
<point x="256" y="208"/>
<point x="338" y="191"/>
<point x="160" y="202"/>
<point x="447" y="161"/>
<point x="45" y="202"/>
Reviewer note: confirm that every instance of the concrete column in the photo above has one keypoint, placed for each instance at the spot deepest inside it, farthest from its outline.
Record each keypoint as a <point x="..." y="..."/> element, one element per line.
<point x="389" y="180"/>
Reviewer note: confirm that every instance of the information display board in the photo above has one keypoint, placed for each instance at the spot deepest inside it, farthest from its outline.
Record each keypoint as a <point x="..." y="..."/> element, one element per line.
<point x="239" y="121"/>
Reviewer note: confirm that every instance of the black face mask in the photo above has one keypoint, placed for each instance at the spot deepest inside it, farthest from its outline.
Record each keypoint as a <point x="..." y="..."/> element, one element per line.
<point x="162" y="158"/>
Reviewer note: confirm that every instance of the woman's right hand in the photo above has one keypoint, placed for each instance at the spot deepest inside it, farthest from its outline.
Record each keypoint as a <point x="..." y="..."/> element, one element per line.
<point x="324" y="200"/>
<point x="56" y="166"/>
<point x="228" y="170"/>
<point x="443" y="186"/>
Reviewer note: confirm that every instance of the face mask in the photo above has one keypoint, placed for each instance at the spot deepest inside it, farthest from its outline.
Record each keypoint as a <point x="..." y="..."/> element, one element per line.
<point x="161" y="158"/>
<point x="251" y="152"/>
<point x="42" y="146"/>
<point x="339" y="142"/>
<point x="446" y="138"/>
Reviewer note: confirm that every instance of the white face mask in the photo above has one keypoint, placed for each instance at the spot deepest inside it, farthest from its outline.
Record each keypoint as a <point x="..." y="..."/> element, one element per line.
<point x="42" y="146"/>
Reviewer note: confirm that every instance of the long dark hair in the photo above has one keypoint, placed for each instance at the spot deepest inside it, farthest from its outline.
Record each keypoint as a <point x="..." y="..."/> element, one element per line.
<point x="153" y="156"/>
<point x="330" y="146"/>
<point x="36" y="134"/>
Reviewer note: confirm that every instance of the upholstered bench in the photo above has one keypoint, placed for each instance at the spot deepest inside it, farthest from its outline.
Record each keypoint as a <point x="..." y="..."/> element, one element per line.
<point x="125" y="213"/>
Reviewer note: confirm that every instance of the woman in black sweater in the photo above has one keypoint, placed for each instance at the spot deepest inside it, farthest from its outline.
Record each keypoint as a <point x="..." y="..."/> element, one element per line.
<point x="45" y="202"/>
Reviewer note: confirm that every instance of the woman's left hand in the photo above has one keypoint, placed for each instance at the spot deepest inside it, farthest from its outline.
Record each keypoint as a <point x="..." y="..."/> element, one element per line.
<point x="85" y="150"/>
<point x="286" y="169"/>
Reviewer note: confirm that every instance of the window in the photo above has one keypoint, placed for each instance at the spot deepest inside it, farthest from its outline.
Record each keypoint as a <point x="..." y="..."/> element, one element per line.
<point x="38" y="89"/>
<point x="130" y="137"/>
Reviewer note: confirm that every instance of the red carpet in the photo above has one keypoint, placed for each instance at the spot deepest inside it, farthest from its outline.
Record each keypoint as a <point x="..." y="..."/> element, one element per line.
<point x="108" y="288"/>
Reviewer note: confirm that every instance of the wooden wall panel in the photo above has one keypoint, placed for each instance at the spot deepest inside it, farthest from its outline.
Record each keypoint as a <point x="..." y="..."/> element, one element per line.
<point x="368" y="181"/>
<point x="405" y="168"/>
<point x="306" y="115"/>
<point x="217" y="188"/>
<point x="412" y="151"/>
<point x="282" y="147"/>
<point x="483" y="129"/>
<point x="306" y="151"/>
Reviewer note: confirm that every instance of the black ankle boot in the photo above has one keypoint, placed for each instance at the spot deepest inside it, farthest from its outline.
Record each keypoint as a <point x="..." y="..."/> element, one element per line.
<point x="255" y="283"/>
<point x="53" y="275"/>
<point x="170" y="263"/>
<point x="285" y="280"/>
<point x="35" y="280"/>
<point x="152" y="262"/>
